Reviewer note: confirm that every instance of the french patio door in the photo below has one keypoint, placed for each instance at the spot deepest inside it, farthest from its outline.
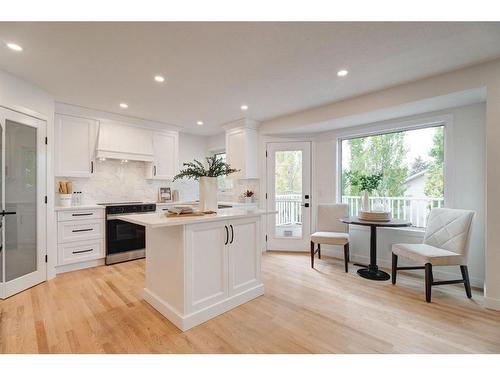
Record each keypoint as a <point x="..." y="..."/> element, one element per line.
<point x="289" y="193"/>
<point x="23" y="208"/>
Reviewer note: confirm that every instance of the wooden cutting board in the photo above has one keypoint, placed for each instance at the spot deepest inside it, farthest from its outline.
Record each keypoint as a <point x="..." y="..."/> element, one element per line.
<point x="172" y="214"/>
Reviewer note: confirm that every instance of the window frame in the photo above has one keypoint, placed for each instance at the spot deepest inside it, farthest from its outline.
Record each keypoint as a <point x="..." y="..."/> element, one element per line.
<point x="394" y="126"/>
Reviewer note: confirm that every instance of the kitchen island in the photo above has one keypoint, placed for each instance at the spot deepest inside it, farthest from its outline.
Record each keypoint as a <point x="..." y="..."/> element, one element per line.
<point x="198" y="267"/>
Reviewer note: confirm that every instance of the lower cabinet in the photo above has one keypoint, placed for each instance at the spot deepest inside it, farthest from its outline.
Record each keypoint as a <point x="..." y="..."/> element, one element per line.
<point x="223" y="259"/>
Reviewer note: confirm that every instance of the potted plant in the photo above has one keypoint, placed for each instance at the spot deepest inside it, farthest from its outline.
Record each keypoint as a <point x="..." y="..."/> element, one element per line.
<point x="366" y="183"/>
<point x="248" y="196"/>
<point x="207" y="177"/>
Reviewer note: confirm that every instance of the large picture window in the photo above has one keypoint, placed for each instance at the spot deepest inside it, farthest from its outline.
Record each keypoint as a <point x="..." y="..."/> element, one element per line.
<point x="411" y="163"/>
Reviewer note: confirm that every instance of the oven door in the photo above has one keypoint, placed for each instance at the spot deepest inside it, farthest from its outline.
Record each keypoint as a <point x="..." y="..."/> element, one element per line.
<point x="122" y="236"/>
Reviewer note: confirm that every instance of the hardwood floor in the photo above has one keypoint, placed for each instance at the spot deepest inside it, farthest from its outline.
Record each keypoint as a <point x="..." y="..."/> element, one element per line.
<point x="100" y="310"/>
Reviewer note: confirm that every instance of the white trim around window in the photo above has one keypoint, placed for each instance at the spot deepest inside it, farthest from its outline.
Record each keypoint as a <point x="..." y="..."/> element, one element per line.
<point x="397" y="126"/>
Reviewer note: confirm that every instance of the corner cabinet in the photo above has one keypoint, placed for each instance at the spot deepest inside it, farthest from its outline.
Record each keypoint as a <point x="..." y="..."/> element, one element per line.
<point x="75" y="141"/>
<point x="241" y="149"/>
<point x="165" y="156"/>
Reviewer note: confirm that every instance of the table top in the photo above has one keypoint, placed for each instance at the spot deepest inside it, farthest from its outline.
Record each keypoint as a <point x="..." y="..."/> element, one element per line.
<point x="394" y="223"/>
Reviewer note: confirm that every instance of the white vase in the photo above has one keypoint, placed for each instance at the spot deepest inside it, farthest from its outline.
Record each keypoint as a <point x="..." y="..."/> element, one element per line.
<point x="248" y="200"/>
<point x="365" y="201"/>
<point x="208" y="194"/>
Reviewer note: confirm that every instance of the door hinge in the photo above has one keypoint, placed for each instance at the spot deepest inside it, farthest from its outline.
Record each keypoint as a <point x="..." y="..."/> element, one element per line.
<point x="46" y="258"/>
<point x="46" y="141"/>
<point x="45" y="199"/>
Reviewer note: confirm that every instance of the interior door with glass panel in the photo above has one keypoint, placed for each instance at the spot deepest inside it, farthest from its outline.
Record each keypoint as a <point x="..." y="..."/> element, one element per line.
<point x="289" y="193"/>
<point x="23" y="208"/>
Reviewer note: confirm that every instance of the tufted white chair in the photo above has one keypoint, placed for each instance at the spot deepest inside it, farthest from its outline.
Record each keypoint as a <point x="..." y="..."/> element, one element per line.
<point x="446" y="243"/>
<point x="330" y="230"/>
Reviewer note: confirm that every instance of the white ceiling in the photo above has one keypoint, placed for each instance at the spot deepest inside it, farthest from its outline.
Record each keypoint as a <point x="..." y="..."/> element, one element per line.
<point x="213" y="68"/>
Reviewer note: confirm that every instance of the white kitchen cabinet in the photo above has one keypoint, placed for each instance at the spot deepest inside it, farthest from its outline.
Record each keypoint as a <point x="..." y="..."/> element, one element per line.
<point x="75" y="141"/>
<point x="241" y="148"/>
<point x="165" y="156"/>
<point x="227" y="264"/>
<point x="208" y="283"/>
<point x="243" y="255"/>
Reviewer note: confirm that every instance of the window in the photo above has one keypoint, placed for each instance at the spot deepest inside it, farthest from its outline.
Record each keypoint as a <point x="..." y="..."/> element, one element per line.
<point x="223" y="182"/>
<point x="411" y="164"/>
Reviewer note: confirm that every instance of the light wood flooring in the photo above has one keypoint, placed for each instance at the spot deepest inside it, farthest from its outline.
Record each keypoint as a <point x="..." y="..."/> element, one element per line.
<point x="100" y="310"/>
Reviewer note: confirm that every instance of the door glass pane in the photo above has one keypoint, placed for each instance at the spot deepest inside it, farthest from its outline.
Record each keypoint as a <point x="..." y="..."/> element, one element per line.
<point x="1" y="195"/>
<point x="288" y="193"/>
<point x="20" y="197"/>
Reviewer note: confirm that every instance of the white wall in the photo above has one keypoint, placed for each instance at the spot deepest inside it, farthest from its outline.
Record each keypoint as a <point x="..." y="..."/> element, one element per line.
<point x="216" y="142"/>
<point x="466" y="185"/>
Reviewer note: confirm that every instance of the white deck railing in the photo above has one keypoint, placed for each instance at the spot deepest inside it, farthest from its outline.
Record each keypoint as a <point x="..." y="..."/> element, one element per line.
<point x="414" y="210"/>
<point x="289" y="210"/>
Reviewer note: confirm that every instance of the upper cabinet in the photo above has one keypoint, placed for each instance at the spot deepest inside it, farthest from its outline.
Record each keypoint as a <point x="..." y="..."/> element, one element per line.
<point x="75" y="139"/>
<point x="241" y="148"/>
<point x="165" y="162"/>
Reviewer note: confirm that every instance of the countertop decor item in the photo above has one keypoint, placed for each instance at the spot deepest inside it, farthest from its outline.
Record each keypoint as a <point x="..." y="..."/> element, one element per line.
<point x="248" y="196"/>
<point x="366" y="183"/>
<point x="65" y="193"/>
<point x="207" y="176"/>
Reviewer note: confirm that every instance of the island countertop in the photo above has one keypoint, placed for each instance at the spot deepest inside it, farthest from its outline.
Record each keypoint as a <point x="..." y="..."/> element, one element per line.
<point x="158" y="219"/>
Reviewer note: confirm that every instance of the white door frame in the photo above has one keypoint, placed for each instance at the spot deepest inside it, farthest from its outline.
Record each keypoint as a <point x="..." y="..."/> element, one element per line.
<point x="290" y="243"/>
<point x="17" y="285"/>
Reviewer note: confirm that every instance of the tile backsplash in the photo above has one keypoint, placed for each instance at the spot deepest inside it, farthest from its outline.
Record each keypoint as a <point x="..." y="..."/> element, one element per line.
<point x="114" y="181"/>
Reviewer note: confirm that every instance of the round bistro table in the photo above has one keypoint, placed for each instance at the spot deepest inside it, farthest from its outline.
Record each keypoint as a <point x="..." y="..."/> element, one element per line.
<point x="372" y="272"/>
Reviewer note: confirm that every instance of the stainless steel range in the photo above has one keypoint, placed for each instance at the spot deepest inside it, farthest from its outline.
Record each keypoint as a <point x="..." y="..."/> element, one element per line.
<point x="125" y="241"/>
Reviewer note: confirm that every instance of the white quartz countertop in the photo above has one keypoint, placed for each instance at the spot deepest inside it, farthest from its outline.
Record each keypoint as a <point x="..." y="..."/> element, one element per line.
<point x="158" y="219"/>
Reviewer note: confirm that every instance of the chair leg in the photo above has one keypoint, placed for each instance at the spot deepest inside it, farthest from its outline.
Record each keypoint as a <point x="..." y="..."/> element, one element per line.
<point x="312" y="254"/>
<point x="394" y="268"/>
<point x="346" y="257"/>
<point x="465" y="276"/>
<point x="319" y="251"/>
<point x="428" y="281"/>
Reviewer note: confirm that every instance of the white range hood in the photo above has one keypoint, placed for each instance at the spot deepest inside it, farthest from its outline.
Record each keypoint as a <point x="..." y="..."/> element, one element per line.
<point x="120" y="141"/>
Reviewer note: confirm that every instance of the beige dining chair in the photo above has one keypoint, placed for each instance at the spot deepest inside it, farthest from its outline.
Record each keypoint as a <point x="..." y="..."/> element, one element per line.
<point x="330" y="230"/>
<point x="446" y="243"/>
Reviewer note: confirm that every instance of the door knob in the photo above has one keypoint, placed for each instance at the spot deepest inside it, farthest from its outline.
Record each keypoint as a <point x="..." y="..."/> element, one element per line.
<point x="305" y="205"/>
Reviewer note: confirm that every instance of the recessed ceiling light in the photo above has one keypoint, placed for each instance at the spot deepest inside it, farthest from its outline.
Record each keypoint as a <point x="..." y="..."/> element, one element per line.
<point x="14" y="47"/>
<point x="244" y="107"/>
<point x="342" y="73"/>
<point x="159" y="79"/>
<point x="199" y="123"/>
<point x="124" y="105"/>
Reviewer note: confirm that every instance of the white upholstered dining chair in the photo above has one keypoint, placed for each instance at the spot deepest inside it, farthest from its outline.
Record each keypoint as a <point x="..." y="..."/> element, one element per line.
<point x="330" y="230"/>
<point x="446" y="243"/>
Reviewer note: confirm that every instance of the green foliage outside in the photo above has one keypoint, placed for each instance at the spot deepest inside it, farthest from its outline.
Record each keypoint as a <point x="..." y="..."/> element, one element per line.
<point x="288" y="172"/>
<point x="434" y="186"/>
<point x="384" y="154"/>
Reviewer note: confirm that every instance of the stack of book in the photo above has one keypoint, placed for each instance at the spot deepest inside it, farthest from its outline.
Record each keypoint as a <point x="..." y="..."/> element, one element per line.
<point x="181" y="210"/>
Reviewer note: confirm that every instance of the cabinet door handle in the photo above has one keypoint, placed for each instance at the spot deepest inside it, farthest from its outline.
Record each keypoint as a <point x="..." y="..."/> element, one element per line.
<point x="232" y="234"/>
<point x="91" y="167"/>
<point x="227" y="235"/>
<point x="87" y="214"/>
<point x="82" y="230"/>
<point x="154" y="170"/>
<point x="82" y="251"/>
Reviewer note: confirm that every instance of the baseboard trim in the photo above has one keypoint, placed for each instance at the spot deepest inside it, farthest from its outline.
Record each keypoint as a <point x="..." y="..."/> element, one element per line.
<point x="492" y="303"/>
<point x="185" y="322"/>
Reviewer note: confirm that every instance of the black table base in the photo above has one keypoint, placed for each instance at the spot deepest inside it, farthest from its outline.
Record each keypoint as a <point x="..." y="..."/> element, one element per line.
<point x="374" y="274"/>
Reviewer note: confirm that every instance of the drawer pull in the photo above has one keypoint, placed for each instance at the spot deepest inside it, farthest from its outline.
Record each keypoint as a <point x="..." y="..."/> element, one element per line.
<point x="82" y="251"/>
<point x="82" y="230"/>
<point x="87" y="214"/>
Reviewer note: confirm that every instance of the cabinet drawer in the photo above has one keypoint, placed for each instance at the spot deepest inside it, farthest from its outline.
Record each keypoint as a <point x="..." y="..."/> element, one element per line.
<point x="74" y="252"/>
<point x="68" y="231"/>
<point x="80" y="214"/>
